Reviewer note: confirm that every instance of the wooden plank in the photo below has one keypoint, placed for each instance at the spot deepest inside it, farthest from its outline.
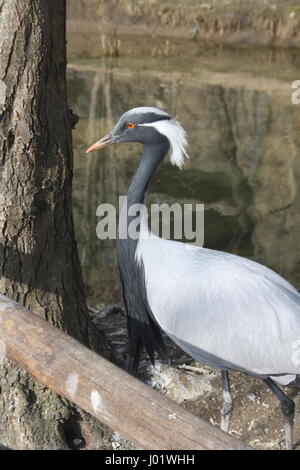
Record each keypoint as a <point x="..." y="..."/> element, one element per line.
<point x="119" y="400"/>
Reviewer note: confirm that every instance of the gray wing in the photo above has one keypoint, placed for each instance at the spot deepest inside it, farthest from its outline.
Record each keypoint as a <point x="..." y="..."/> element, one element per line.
<point x="220" y="307"/>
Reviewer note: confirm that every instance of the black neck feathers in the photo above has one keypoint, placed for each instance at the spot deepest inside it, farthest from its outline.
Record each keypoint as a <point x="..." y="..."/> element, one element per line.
<point x="143" y="331"/>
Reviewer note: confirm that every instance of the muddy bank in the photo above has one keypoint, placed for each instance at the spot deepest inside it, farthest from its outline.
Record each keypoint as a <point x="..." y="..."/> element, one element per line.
<point x="268" y="22"/>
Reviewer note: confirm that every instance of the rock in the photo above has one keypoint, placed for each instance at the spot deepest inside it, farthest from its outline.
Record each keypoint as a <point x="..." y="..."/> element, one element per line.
<point x="180" y="384"/>
<point x="119" y="443"/>
<point x="206" y="6"/>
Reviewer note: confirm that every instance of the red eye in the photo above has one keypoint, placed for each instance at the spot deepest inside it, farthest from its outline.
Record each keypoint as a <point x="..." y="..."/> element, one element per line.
<point x="131" y="125"/>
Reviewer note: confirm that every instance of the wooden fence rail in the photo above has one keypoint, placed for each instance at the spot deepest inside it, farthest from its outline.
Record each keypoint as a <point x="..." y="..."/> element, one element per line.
<point x="117" y="399"/>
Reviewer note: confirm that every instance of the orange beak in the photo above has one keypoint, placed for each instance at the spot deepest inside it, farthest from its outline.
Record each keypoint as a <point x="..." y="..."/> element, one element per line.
<point x="100" y="144"/>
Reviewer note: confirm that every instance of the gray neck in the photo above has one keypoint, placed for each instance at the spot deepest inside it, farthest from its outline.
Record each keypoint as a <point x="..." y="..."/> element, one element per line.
<point x="151" y="158"/>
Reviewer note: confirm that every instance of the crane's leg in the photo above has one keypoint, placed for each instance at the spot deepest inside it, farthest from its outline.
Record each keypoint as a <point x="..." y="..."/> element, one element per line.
<point x="297" y="384"/>
<point x="227" y="406"/>
<point x="288" y="408"/>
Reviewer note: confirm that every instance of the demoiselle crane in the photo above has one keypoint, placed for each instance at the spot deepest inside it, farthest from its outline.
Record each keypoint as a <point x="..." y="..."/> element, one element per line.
<point x="226" y="311"/>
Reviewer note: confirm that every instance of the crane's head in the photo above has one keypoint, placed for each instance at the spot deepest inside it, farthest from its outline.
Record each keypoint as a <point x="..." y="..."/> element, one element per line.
<point x="149" y="126"/>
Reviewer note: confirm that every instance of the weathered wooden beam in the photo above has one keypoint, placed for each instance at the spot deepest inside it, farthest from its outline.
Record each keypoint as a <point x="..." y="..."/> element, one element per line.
<point x="124" y="403"/>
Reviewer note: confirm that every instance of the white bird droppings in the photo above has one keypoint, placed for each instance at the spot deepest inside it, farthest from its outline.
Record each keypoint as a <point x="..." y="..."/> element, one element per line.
<point x="2" y="351"/>
<point x="72" y="384"/>
<point x="6" y="304"/>
<point x="96" y="401"/>
<point x="100" y="405"/>
<point x="2" y="92"/>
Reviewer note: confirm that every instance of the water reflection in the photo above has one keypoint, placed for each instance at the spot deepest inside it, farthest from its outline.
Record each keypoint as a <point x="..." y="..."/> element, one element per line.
<point x="244" y="147"/>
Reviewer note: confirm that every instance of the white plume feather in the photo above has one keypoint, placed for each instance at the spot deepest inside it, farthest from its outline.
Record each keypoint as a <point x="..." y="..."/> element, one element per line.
<point x="177" y="137"/>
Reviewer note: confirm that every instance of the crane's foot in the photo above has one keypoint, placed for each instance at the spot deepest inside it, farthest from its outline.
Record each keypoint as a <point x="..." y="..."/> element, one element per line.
<point x="226" y="411"/>
<point x="227" y="406"/>
<point x="289" y="432"/>
<point x="288" y="409"/>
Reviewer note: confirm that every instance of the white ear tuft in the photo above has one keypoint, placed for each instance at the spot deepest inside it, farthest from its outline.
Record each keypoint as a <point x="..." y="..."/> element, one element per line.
<point x="177" y="137"/>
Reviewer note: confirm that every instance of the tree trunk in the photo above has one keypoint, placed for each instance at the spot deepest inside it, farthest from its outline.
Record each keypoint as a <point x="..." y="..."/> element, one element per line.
<point x="39" y="265"/>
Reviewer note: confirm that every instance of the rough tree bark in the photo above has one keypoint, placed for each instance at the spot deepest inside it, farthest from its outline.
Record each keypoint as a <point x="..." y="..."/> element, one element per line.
<point x="39" y="265"/>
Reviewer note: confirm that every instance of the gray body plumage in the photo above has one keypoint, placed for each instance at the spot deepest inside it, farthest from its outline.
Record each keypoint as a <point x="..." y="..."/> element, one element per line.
<point x="224" y="310"/>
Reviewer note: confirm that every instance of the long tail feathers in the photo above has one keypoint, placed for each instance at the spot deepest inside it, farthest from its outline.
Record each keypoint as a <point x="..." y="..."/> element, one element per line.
<point x="143" y="336"/>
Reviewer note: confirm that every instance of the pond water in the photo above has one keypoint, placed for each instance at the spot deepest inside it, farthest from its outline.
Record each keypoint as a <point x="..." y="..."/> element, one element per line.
<point x="244" y="145"/>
